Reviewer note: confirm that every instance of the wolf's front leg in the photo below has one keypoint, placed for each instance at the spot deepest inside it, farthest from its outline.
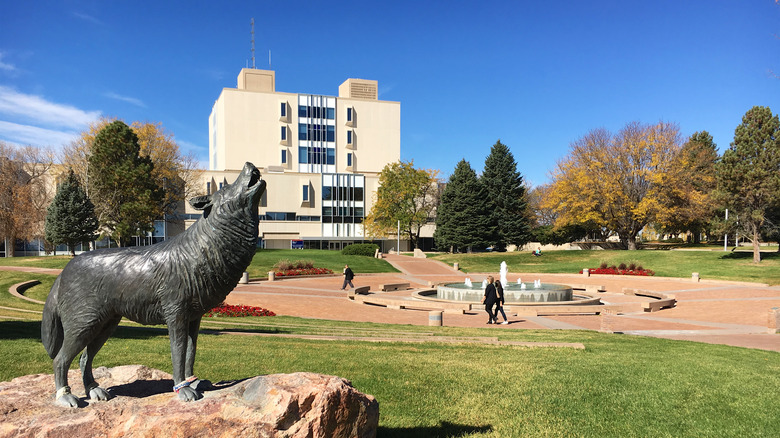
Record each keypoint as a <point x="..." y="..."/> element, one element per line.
<point x="179" y="335"/>
<point x="189" y="366"/>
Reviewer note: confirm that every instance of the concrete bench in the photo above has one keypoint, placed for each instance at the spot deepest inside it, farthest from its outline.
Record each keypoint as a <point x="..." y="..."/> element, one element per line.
<point x="362" y="290"/>
<point x="394" y="286"/>
<point x="391" y="303"/>
<point x="654" y="306"/>
<point x="589" y="288"/>
<point x="557" y="310"/>
<point x="663" y="301"/>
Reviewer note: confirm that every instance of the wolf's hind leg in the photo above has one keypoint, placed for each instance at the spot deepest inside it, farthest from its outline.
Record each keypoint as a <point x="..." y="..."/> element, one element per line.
<point x="93" y="391"/>
<point x="70" y="348"/>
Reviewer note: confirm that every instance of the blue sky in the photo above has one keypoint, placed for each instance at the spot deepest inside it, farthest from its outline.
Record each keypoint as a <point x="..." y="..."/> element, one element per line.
<point x="535" y="74"/>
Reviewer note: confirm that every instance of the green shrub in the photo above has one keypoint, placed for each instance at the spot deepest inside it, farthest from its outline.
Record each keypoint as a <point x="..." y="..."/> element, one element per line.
<point x="286" y="265"/>
<point x="283" y="265"/>
<point x="364" y="249"/>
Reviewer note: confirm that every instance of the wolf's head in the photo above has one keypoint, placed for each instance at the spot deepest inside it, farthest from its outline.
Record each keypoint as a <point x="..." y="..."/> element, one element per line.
<point x="241" y="197"/>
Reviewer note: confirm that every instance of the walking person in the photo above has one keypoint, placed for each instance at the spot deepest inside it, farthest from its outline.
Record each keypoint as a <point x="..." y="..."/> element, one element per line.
<point x="489" y="300"/>
<point x="348" y="276"/>
<point x="500" y="303"/>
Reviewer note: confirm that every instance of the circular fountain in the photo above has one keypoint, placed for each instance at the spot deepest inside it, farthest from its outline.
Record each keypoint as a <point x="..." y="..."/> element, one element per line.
<point x="514" y="293"/>
<point x="520" y="293"/>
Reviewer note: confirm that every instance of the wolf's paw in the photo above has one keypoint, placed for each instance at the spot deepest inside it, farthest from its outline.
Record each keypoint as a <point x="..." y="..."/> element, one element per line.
<point x="98" y="394"/>
<point x="65" y="398"/>
<point x="189" y="394"/>
<point x="202" y="385"/>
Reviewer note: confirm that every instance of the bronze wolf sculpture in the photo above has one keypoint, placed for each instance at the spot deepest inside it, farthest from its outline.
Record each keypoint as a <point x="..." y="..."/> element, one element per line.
<point x="173" y="282"/>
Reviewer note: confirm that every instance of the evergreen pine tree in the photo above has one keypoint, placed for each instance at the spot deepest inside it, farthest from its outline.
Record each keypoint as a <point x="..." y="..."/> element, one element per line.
<point x="506" y="197"/>
<point x="70" y="218"/>
<point x="462" y="219"/>
<point x="126" y="196"/>
<point x="748" y="173"/>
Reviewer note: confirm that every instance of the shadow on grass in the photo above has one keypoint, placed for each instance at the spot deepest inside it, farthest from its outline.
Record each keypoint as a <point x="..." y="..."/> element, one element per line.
<point x="748" y="255"/>
<point x="444" y="429"/>
<point x="32" y="330"/>
<point x="219" y="332"/>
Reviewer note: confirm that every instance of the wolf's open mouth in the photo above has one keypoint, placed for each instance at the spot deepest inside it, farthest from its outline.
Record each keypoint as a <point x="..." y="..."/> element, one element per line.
<point x="254" y="178"/>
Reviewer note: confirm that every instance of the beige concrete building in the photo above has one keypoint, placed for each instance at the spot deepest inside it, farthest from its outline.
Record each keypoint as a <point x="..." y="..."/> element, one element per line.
<point x="320" y="155"/>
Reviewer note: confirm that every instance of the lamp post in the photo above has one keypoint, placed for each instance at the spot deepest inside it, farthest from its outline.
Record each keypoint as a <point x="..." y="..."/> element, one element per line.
<point x="726" y="236"/>
<point x="398" y="238"/>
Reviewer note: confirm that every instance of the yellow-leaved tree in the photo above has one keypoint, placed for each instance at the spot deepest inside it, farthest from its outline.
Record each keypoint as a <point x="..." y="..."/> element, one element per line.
<point x="405" y="195"/>
<point x="615" y="181"/>
<point x="175" y="172"/>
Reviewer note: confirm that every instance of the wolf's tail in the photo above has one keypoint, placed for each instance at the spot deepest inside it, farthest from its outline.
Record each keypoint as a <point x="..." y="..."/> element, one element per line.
<point x="51" y="324"/>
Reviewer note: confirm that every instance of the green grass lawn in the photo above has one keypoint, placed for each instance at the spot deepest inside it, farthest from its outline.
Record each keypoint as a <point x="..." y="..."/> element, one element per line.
<point x="265" y="259"/>
<point x="262" y="262"/>
<point x="719" y="265"/>
<point x="735" y="266"/>
<point x="618" y="386"/>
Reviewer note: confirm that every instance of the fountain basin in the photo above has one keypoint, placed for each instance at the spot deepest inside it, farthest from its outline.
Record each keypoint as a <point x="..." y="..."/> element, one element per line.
<point x="547" y="292"/>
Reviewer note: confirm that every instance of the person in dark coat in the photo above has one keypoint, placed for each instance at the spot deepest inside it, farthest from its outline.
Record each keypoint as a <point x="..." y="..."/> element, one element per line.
<point x="348" y="276"/>
<point x="489" y="300"/>
<point x="500" y="302"/>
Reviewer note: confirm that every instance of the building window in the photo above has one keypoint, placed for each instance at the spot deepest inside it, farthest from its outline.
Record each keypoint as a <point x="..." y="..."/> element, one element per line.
<point x="349" y="114"/>
<point x="305" y="193"/>
<point x="349" y="137"/>
<point x="316" y="132"/>
<point x="317" y="112"/>
<point x="284" y="109"/>
<point x="349" y="160"/>
<point x="316" y="155"/>
<point x="284" y="133"/>
<point x="284" y="156"/>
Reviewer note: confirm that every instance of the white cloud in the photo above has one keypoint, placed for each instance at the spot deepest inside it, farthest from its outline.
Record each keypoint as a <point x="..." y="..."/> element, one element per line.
<point x="33" y="135"/>
<point x="5" y="66"/>
<point x="37" y="110"/>
<point x="132" y="100"/>
<point x="88" y="18"/>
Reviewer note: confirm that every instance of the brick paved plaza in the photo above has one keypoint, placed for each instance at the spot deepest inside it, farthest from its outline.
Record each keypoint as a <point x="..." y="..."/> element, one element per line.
<point x="720" y="312"/>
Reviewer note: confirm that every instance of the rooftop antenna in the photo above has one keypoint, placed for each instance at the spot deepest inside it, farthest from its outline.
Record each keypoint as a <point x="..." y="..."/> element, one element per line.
<point x="269" y="59"/>
<point x="253" y="42"/>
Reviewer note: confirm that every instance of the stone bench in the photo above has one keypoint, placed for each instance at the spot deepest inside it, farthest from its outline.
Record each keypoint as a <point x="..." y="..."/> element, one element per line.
<point x="654" y="306"/>
<point x="589" y="288"/>
<point x="663" y="301"/>
<point x="362" y="290"/>
<point x="391" y="303"/>
<point x="556" y="310"/>
<point x="394" y="286"/>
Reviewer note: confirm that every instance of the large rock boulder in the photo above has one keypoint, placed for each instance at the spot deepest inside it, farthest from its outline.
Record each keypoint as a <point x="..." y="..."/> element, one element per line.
<point x="143" y="405"/>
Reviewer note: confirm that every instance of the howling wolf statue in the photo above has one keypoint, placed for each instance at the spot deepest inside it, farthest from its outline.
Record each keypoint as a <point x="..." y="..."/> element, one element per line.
<point x="173" y="282"/>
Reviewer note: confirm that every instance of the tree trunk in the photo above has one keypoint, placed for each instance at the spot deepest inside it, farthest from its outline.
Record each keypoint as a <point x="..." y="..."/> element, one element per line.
<point x="756" y="247"/>
<point x="631" y="241"/>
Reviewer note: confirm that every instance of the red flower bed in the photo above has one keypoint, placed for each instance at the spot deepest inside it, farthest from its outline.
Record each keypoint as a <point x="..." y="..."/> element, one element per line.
<point x="615" y="271"/>
<point x="302" y="271"/>
<point x="236" y="311"/>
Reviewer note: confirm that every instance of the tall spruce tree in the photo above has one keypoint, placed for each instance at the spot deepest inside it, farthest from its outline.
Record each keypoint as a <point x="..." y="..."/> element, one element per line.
<point x="70" y="218"/>
<point x="506" y="196"/>
<point x="127" y="198"/>
<point x="748" y="173"/>
<point x="462" y="219"/>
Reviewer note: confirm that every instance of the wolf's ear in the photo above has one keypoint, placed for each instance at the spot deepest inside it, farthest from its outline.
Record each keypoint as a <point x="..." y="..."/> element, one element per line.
<point x="202" y="203"/>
